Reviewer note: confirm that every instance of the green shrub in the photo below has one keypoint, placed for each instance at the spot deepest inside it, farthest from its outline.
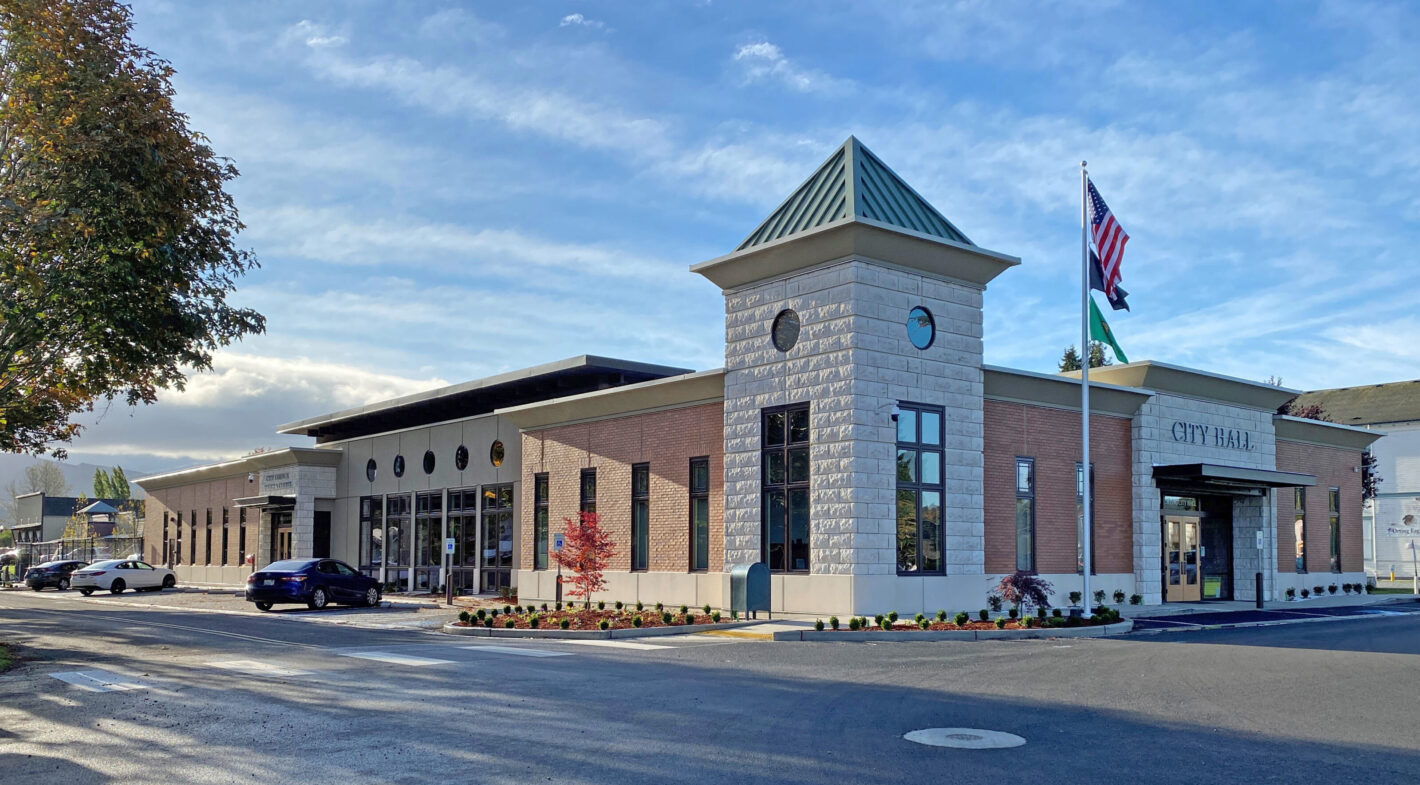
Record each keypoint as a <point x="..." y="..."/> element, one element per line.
<point x="559" y="606"/>
<point x="833" y="622"/>
<point x="507" y="609"/>
<point x="666" y="617"/>
<point x="1291" y="593"/>
<point x="1028" y="621"/>
<point x="818" y="625"/>
<point x="533" y="621"/>
<point x="1075" y="597"/>
<point x="1000" y="622"/>
<point x="601" y="605"/>
<point x="603" y="625"/>
<point x="464" y="616"/>
<point x="923" y="623"/>
<point x="1317" y="590"/>
<point x="1055" y="613"/>
<point x="493" y="614"/>
<point x="517" y="609"/>
<point x="983" y="615"/>
<point x="565" y="623"/>
<point x="660" y="607"/>
<point x="1118" y="596"/>
<point x="1136" y="599"/>
<point x="1306" y="593"/>
<point x="488" y="621"/>
<point x="878" y="620"/>
<point x="509" y="623"/>
<point x="689" y="617"/>
<point x="1014" y="612"/>
<point x="683" y="609"/>
<point x="853" y="623"/>
<point x="961" y="618"/>
<point x="885" y="624"/>
<point x="918" y="618"/>
<point x="941" y="615"/>
<point x="636" y="621"/>
<point x="993" y="601"/>
<point x="640" y="606"/>
<point x="715" y="616"/>
<point x="892" y="615"/>
<point x="618" y="605"/>
<point x="1099" y="596"/>
<point x="1040" y="612"/>
<point x="480" y="614"/>
<point x="706" y="608"/>
<point x="1331" y="589"/>
<point x="544" y="607"/>
<point x="734" y="615"/>
<point x="1370" y="585"/>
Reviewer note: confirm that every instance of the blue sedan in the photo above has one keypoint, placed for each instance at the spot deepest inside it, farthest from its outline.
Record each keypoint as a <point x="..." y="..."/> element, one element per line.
<point x="315" y="582"/>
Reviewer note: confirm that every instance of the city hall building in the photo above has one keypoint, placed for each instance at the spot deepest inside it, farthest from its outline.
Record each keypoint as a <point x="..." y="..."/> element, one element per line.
<point x="854" y="442"/>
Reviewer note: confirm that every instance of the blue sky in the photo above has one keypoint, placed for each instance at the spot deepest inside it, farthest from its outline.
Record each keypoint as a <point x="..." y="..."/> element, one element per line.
<point x="441" y="191"/>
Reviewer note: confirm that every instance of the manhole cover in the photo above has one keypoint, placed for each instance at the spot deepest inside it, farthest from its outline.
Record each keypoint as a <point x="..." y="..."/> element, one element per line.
<point x="965" y="738"/>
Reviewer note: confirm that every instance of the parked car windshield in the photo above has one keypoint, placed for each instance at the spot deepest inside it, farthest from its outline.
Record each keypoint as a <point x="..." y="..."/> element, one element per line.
<point x="290" y="565"/>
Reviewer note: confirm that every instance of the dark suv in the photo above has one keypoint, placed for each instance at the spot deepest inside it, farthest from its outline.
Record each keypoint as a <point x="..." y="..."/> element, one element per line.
<point x="52" y="573"/>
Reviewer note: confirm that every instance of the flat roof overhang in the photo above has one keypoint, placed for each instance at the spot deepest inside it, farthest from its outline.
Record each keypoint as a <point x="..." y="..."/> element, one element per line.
<point x="265" y="501"/>
<point x="1229" y="479"/>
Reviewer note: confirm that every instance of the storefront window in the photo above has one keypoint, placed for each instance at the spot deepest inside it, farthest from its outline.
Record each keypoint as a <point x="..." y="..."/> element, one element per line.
<point x="785" y="488"/>
<point x="1334" y="520"/>
<point x="919" y="489"/>
<point x="428" y="542"/>
<point x="540" y="521"/>
<point x="589" y="490"/>
<point x="371" y="534"/>
<point x="699" y="513"/>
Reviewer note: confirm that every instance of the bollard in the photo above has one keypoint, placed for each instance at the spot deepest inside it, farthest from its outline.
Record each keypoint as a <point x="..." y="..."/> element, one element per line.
<point x="1259" y="590"/>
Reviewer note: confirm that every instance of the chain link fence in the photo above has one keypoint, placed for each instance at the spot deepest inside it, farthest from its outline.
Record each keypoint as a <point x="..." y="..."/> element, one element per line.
<point x="89" y="549"/>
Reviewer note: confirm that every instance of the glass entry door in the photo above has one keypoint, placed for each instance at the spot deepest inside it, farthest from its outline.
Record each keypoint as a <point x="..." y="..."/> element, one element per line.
<point x="280" y="536"/>
<point x="497" y="538"/>
<point x="1180" y="555"/>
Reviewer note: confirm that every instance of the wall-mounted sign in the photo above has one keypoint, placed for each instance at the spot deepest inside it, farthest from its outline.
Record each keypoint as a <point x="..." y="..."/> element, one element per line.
<point x="278" y="482"/>
<point x="1212" y="436"/>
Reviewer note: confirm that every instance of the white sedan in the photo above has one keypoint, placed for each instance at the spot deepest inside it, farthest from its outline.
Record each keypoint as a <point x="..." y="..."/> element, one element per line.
<point x="119" y="574"/>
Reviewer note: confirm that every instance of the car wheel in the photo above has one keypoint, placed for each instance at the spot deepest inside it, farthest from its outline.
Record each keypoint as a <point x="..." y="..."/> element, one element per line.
<point x="86" y="592"/>
<point x="117" y="586"/>
<point x="263" y="606"/>
<point x="318" y="599"/>
<point x="63" y="584"/>
<point x="372" y="597"/>
<point x="169" y="581"/>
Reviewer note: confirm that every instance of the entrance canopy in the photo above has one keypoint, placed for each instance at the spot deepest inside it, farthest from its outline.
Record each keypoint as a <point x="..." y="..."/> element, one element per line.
<point x="265" y="501"/>
<point x="1215" y="478"/>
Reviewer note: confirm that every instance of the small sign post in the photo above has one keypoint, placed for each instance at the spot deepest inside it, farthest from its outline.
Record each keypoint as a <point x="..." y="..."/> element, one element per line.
<point x="557" y="548"/>
<point x="448" y="573"/>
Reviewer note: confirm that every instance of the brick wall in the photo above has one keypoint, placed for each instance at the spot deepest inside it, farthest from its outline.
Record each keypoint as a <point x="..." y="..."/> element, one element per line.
<point x="212" y="495"/>
<point x="1052" y="438"/>
<point x="666" y="440"/>
<point x="1333" y="467"/>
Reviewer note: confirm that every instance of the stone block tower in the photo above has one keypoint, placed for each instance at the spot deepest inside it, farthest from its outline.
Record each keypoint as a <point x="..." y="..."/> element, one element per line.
<point x="857" y="300"/>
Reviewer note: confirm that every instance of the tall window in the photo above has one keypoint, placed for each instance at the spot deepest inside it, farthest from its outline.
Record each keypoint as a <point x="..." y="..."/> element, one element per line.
<point x="589" y="490"/>
<point x="699" y="513"/>
<point x="226" y="519"/>
<point x="241" y="535"/>
<point x="428" y="541"/>
<point x="207" y="537"/>
<point x="539" y="521"/>
<point x="192" y="545"/>
<point x="372" y="534"/>
<point x="1080" y="520"/>
<point x="165" y="538"/>
<point x="1025" y="514"/>
<point x="1299" y="526"/>
<point x="640" y="514"/>
<point x="919" y="489"/>
<point x="785" y="488"/>
<point x="1333" y="510"/>
<point x="177" y="545"/>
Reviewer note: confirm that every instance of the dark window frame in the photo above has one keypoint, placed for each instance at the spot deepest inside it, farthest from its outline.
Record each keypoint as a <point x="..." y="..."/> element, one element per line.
<point x="1299" y="513"/>
<point x="541" y="491"/>
<point x="788" y="488"/>
<point x="1079" y="524"/>
<point x="226" y="537"/>
<point x="698" y="494"/>
<point x="207" y="537"/>
<point x="640" y="504"/>
<point x="1333" y="519"/>
<point x="177" y="541"/>
<point x="587" y="502"/>
<point x="241" y="535"/>
<point x="192" y="546"/>
<point x="915" y="485"/>
<point x="1027" y="495"/>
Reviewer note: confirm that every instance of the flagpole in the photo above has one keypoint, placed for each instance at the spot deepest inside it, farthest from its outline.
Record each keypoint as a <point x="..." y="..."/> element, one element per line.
<point x="1084" y="479"/>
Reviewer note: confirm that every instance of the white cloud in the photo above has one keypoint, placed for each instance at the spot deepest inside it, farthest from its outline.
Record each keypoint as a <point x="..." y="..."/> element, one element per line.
<point x="763" y="61"/>
<point x="316" y="36"/>
<point x="577" y="20"/>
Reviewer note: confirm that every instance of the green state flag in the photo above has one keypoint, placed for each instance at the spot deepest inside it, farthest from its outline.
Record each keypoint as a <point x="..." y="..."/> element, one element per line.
<point x="1099" y="331"/>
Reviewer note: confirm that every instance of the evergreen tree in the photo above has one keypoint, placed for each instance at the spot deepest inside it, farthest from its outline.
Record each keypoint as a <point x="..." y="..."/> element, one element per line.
<point x="1070" y="360"/>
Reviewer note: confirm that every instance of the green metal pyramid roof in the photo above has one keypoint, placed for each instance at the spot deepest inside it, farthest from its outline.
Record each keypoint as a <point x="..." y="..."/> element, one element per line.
<point x="853" y="184"/>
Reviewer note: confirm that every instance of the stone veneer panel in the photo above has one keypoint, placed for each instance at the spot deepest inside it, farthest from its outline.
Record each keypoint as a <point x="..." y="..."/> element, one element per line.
<point x="1154" y="444"/>
<point x="852" y="362"/>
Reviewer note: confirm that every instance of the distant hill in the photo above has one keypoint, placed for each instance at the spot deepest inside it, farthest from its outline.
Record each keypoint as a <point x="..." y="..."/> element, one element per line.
<point x="80" y="476"/>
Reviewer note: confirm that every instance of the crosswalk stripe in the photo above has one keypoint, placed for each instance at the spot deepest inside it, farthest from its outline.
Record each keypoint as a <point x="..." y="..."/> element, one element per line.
<point x="621" y="645"/>
<point x="255" y="668"/>
<point x="520" y="652"/>
<point x="98" y="681"/>
<point x="395" y="659"/>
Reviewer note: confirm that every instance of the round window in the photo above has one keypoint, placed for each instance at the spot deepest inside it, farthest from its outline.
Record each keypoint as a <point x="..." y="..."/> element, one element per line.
<point x="495" y="453"/>
<point x="399" y="465"/>
<point x="921" y="329"/>
<point x="461" y="458"/>
<point x="428" y="461"/>
<point x="785" y="331"/>
<point x="370" y="469"/>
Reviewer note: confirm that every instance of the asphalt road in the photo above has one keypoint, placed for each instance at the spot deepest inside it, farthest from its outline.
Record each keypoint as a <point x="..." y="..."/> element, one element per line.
<point x="1330" y="702"/>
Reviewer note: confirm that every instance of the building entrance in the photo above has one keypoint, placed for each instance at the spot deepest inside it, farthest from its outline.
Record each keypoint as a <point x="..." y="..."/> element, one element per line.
<point x="1197" y="537"/>
<point x="280" y="536"/>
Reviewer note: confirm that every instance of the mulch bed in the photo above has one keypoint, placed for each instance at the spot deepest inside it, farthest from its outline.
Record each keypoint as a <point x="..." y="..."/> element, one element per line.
<point x="908" y="625"/>
<point x="590" y="619"/>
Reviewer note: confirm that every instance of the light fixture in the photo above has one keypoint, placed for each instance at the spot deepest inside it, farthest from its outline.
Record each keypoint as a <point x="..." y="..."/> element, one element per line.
<point x="251" y="476"/>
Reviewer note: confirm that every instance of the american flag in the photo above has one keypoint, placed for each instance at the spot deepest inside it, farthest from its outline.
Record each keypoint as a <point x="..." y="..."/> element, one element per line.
<point x="1109" y="238"/>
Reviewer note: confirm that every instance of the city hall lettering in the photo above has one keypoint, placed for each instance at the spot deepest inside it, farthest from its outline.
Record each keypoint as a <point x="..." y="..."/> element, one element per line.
<point x="1198" y="433"/>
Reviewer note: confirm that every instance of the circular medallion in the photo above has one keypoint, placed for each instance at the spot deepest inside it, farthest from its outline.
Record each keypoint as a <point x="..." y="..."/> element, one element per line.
<point x="428" y="461"/>
<point x="965" y="738"/>
<point x="921" y="328"/>
<point x="785" y="331"/>
<point x="370" y="469"/>
<point x="461" y="458"/>
<point x="495" y="453"/>
<point x="399" y="465"/>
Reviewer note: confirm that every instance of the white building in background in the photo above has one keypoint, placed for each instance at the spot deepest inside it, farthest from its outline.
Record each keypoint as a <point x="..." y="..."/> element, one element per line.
<point x="1390" y="521"/>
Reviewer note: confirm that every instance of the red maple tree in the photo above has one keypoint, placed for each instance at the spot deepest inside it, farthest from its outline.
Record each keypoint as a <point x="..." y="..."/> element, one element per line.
<point x="587" y="548"/>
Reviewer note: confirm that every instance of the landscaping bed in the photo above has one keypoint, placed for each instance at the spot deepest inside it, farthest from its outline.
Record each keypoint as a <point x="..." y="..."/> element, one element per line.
<point x="964" y="622"/>
<point x="512" y="618"/>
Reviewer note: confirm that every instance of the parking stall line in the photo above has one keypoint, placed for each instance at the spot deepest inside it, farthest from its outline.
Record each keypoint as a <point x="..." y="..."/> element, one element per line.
<point x="620" y="645"/>
<point x="98" y="681"/>
<point x="257" y="668"/>
<point x="395" y="659"/>
<point x="518" y="652"/>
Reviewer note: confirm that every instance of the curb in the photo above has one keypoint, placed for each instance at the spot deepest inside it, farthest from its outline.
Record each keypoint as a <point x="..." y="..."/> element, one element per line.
<point x="877" y="636"/>
<point x="632" y="632"/>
